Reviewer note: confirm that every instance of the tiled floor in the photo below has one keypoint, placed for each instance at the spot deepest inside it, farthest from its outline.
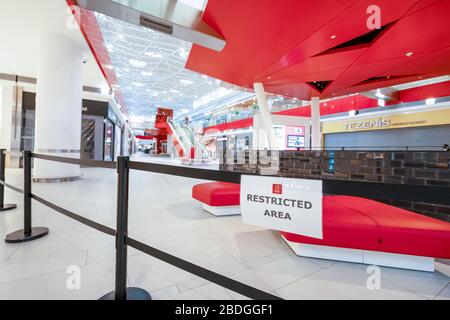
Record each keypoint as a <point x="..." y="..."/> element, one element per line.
<point x="163" y="215"/>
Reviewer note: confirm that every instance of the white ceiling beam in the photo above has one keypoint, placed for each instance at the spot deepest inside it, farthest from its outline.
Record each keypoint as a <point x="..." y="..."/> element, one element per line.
<point x="167" y="16"/>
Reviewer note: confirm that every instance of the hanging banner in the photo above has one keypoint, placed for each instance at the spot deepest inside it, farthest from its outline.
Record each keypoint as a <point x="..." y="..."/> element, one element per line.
<point x="283" y="204"/>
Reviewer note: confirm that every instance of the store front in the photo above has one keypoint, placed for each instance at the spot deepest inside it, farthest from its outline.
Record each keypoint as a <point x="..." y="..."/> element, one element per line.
<point x="101" y="131"/>
<point x="428" y="130"/>
<point x="114" y="136"/>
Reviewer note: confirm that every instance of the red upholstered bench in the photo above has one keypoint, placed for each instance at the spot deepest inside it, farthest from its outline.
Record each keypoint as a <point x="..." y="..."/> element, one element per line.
<point x="218" y="198"/>
<point x="370" y="232"/>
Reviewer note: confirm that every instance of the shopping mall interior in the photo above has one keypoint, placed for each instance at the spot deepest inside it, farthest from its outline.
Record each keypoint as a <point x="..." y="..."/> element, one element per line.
<point x="225" y="150"/>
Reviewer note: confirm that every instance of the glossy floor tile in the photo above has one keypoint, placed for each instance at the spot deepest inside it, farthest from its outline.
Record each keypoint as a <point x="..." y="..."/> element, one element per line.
<point x="162" y="214"/>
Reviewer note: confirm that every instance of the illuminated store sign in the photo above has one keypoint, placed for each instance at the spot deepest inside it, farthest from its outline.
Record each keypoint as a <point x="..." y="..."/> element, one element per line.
<point x="371" y="124"/>
<point x="405" y="120"/>
<point x="283" y="204"/>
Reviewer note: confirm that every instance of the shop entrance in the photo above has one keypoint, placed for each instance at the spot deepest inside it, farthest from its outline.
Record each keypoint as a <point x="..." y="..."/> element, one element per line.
<point x="88" y="139"/>
<point x="427" y="138"/>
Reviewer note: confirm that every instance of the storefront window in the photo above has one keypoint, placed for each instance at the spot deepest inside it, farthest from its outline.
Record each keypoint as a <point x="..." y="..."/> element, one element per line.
<point x="109" y="140"/>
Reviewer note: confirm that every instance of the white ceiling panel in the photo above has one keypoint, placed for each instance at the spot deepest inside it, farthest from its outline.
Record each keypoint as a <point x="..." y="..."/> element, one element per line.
<point x="150" y="69"/>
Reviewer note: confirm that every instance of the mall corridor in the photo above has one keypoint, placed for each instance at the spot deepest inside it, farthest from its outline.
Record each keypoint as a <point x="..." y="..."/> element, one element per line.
<point x="217" y="158"/>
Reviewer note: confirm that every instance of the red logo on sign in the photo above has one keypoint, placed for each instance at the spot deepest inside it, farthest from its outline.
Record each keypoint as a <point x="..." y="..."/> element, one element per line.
<point x="277" y="189"/>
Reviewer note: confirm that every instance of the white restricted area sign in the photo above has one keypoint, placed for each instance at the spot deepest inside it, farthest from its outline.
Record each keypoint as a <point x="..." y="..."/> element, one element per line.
<point x="283" y="204"/>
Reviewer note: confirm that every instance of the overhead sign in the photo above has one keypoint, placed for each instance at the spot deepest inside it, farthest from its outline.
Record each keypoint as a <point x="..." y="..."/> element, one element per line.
<point x="283" y="204"/>
<point x="405" y="120"/>
<point x="89" y="107"/>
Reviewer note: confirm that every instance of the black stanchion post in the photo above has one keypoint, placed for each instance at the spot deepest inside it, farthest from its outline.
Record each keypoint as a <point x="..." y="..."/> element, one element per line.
<point x="3" y="206"/>
<point x="121" y="291"/>
<point x="28" y="233"/>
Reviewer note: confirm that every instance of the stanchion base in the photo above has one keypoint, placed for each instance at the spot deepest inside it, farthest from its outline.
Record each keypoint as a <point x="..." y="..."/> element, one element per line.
<point x="20" y="236"/>
<point x="7" y="207"/>
<point x="132" y="294"/>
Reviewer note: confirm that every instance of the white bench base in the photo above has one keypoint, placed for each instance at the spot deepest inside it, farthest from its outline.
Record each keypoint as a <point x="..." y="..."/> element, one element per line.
<point x="363" y="256"/>
<point x="223" y="210"/>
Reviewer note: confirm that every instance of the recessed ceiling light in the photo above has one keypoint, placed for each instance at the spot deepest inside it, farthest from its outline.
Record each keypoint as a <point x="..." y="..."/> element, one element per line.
<point x="269" y="77"/>
<point x="430" y="101"/>
<point x="186" y="81"/>
<point x="378" y="94"/>
<point x="333" y="36"/>
<point x="137" y="63"/>
<point x="153" y="55"/>
<point x="409" y="54"/>
<point x="183" y="53"/>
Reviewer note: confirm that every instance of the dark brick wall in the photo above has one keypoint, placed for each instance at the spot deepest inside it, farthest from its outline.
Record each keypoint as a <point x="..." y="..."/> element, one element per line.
<point x="405" y="167"/>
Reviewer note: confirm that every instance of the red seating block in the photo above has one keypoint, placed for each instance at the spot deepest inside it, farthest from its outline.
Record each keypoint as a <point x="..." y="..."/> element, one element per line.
<point x="358" y="223"/>
<point x="217" y="194"/>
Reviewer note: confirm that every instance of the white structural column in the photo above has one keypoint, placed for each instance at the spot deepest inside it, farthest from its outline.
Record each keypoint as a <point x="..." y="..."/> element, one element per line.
<point x="315" y="122"/>
<point x="58" y="106"/>
<point x="266" y="116"/>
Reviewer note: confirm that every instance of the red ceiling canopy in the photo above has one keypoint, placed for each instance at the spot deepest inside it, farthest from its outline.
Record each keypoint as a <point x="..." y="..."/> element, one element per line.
<point x="304" y="48"/>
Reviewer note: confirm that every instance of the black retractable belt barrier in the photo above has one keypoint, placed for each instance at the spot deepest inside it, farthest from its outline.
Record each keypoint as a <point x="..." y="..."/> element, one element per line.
<point x="94" y="225"/>
<point x="206" y="274"/>
<point x="28" y="233"/>
<point x="121" y="291"/>
<point x="124" y="165"/>
<point x="365" y="189"/>
<point x="3" y="206"/>
<point x="193" y="173"/>
<point x="388" y="191"/>
<point x="80" y="162"/>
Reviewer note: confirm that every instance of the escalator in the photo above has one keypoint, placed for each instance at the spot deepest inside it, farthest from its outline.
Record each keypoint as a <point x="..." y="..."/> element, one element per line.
<point x="188" y="147"/>
<point x="198" y="144"/>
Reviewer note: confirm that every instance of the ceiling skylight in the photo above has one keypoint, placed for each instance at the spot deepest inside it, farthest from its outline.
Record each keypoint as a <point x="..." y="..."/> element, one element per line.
<point x="150" y="67"/>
